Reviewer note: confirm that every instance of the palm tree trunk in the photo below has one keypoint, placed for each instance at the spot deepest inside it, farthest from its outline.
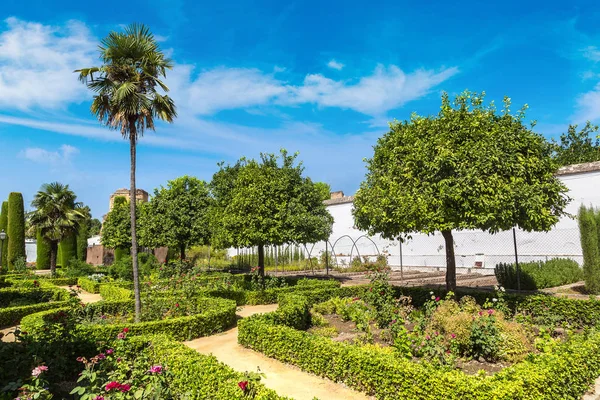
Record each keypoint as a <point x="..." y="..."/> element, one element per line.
<point x="53" y="254"/>
<point x="133" y="204"/>
<point x="450" y="261"/>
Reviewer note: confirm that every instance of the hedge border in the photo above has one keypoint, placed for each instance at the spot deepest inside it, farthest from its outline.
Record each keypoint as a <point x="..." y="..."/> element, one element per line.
<point x="54" y="298"/>
<point x="217" y="318"/>
<point x="196" y="375"/>
<point x="565" y="373"/>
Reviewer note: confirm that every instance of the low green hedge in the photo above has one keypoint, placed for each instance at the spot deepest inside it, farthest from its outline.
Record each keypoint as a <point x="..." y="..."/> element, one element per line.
<point x="271" y="296"/>
<point x="195" y="375"/>
<point x="92" y="286"/>
<point x="564" y="374"/>
<point x="539" y="274"/>
<point x="115" y="293"/>
<point x="218" y="316"/>
<point x="11" y="316"/>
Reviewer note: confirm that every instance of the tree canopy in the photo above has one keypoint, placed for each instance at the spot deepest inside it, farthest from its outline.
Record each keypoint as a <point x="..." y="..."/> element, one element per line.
<point x="177" y="216"/>
<point x="576" y="147"/>
<point x="267" y="202"/>
<point x="116" y="230"/>
<point x="469" y="167"/>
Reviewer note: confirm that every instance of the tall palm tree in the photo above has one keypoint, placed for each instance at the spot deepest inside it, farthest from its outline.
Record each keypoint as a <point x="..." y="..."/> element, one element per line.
<point x="57" y="215"/>
<point x="126" y="98"/>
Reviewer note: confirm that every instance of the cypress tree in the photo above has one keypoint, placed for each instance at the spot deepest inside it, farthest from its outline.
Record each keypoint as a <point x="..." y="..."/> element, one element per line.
<point x="16" y="228"/>
<point x="4" y="227"/>
<point x="43" y="251"/>
<point x="82" y="237"/>
<point x="590" y="247"/>
<point x="68" y="249"/>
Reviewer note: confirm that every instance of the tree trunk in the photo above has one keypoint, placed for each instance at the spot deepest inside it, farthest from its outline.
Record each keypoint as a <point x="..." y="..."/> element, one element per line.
<point x="133" y="204"/>
<point x="182" y="251"/>
<point x="450" y="261"/>
<point x="261" y="260"/>
<point x="53" y="254"/>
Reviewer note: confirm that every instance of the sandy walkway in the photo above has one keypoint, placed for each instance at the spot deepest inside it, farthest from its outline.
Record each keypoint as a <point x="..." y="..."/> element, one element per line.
<point x="286" y="380"/>
<point x="85" y="297"/>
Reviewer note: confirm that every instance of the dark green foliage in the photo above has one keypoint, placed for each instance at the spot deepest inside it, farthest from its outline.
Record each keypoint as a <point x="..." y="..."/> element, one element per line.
<point x="177" y="216"/>
<point x="15" y="228"/>
<point x="82" y="237"/>
<point x="469" y="167"/>
<point x="123" y="269"/>
<point x="121" y="252"/>
<point x="68" y="249"/>
<point x="577" y="147"/>
<point x="539" y="274"/>
<point x="590" y="245"/>
<point x="43" y="251"/>
<point x="94" y="227"/>
<point x="4" y="227"/>
<point x="77" y="268"/>
<point x="267" y="202"/>
<point x="116" y="231"/>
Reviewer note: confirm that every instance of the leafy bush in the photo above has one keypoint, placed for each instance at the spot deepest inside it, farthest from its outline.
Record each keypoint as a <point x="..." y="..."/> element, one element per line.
<point x="76" y="268"/>
<point x="539" y="274"/>
<point x="123" y="268"/>
<point x="564" y="373"/>
<point x="112" y="292"/>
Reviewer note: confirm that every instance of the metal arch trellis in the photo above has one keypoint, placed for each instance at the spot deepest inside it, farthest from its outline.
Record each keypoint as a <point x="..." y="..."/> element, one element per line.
<point x="354" y="246"/>
<point x="370" y="240"/>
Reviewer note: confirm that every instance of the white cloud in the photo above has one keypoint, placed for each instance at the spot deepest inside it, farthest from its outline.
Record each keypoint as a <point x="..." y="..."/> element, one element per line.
<point x="376" y="94"/>
<point x="62" y="156"/>
<point x="335" y="65"/>
<point x="591" y="53"/>
<point x="588" y="106"/>
<point x="230" y="88"/>
<point x="37" y="63"/>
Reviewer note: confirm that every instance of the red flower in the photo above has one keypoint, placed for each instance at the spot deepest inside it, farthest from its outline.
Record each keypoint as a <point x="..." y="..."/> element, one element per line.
<point x="125" y="388"/>
<point x="125" y="330"/>
<point x="176" y="304"/>
<point x="437" y="299"/>
<point x="243" y="385"/>
<point x="112" y="385"/>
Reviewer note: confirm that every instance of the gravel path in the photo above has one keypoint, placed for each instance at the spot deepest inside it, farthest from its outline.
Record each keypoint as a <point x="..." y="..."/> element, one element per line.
<point x="286" y="380"/>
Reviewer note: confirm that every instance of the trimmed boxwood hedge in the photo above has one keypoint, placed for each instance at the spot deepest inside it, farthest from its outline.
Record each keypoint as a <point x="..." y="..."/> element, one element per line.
<point x="219" y="316"/>
<point x="46" y="298"/>
<point x="566" y="373"/>
<point x="195" y="375"/>
<point x="92" y="286"/>
<point x="115" y="293"/>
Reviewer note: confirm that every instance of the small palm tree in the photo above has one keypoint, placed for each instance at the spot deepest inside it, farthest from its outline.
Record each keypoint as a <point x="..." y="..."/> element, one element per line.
<point x="57" y="215"/>
<point x="126" y="98"/>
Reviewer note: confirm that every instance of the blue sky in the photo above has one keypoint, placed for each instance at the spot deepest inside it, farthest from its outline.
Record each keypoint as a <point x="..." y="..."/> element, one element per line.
<point x="318" y="77"/>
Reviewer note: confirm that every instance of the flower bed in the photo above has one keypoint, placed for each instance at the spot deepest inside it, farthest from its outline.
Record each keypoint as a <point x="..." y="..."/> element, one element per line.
<point x="564" y="370"/>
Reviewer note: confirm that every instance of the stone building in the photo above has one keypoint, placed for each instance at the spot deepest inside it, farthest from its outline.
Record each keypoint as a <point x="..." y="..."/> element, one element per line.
<point x="140" y="195"/>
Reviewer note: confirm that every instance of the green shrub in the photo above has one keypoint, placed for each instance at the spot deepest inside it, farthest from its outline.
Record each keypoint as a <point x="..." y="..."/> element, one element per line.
<point x="4" y="227"/>
<point x="15" y="228"/>
<point x="28" y="298"/>
<point x="218" y="316"/>
<point x="88" y="285"/>
<point x="111" y="292"/>
<point x="197" y="376"/>
<point x="589" y="221"/>
<point x="565" y="373"/>
<point x="43" y="252"/>
<point x="68" y="250"/>
<point x="539" y="274"/>
<point x="76" y="268"/>
<point x="123" y="269"/>
<point x="10" y="316"/>
<point x="121" y="252"/>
